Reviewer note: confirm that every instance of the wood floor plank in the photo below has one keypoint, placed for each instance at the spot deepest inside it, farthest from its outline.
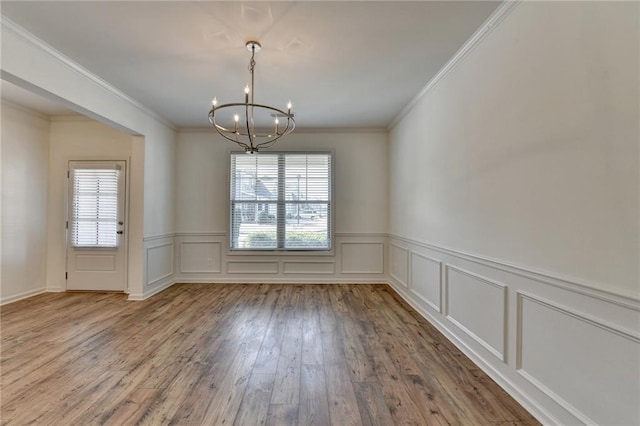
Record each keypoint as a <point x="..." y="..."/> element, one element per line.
<point x="286" y="389"/>
<point x="314" y="405"/>
<point x="373" y="410"/>
<point x="248" y="354"/>
<point x="255" y="402"/>
<point x="343" y="407"/>
<point x="282" y="415"/>
<point x="311" y="338"/>
<point x="225" y="403"/>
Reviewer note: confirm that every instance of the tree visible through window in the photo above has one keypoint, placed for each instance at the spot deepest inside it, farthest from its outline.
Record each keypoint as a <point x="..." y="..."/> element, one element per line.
<point x="281" y="201"/>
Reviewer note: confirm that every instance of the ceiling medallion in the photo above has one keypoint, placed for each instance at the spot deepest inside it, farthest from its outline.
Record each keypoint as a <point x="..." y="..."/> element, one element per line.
<point x="244" y="132"/>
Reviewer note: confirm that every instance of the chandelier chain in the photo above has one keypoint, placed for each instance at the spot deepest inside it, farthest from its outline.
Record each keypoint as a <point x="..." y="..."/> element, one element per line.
<point x="252" y="62"/>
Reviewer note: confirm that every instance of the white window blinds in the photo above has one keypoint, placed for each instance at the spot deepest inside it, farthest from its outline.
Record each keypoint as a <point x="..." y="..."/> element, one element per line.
<point x="281" y="201"/>
<point x="94" y="215"/>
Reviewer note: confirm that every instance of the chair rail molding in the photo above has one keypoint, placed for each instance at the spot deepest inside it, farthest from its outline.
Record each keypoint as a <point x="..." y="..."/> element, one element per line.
<point x="534" y="333"/>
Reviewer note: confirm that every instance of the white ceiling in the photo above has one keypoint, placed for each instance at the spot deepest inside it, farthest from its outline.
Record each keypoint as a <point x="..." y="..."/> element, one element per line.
<point x="343" y="64"/>
<point x="18" y="95"/>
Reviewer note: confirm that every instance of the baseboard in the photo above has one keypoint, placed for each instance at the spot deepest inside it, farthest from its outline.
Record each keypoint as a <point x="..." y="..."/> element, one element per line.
<point x="151" y="292"/>
<point x="279" y="281"/>
<point x="21" y="296"/>
<point x="514" y="391"/>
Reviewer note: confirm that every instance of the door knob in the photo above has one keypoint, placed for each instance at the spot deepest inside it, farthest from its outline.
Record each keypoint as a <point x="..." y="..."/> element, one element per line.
<point x="120" y="222"/>
<point x="119" y="232"/>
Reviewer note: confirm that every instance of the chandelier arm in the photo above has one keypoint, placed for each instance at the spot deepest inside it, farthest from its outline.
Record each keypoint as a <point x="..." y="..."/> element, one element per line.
<point x="286" y="131"/>
<point x="267" y="144"/>
<point x="223" y="131"/>
<point x="290" y="120"/>
<point x="242" y="144"/>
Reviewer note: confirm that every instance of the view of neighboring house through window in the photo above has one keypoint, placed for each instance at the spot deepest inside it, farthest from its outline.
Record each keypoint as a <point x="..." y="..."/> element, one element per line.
<point x="281" y="201"/>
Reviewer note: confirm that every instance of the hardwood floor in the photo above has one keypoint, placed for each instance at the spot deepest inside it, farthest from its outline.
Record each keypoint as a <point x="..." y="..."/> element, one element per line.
<point x="209" y="354"/>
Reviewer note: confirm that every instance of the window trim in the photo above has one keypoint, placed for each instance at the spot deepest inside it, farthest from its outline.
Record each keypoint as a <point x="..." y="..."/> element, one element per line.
<point x="283" y="251"/>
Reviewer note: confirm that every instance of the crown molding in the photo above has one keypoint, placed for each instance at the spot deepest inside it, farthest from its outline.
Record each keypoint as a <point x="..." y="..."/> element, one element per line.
<point x="481" y="33"/>
<point x="298" y="130"/>
<point x="77" y="68"/>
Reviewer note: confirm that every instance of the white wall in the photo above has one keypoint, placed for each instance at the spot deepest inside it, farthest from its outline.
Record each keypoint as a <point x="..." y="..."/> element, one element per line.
<point x="514" y="214"/>
<point x="159" y="210"/>
<point x="159" y="180"/>
<point x="31" y="64"/>
<point x="25" y="152"/>
<point x="74" y="138"/>
<point x="528" y="151"/>
<point x="360" y="179"/>
<point x="360" y="202"/>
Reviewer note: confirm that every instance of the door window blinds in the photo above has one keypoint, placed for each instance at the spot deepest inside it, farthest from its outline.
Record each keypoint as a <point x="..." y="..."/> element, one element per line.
<point x="94" y="215"/>
<point x="280" y="201"/>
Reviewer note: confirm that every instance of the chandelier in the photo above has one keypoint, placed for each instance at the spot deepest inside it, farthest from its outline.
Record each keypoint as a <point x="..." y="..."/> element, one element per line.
<point x="245" y="133"/>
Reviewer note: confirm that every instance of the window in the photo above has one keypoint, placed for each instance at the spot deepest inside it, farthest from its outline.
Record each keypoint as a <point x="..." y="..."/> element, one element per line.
<point x="94" y="207"/>
<point x="280" y="201"/>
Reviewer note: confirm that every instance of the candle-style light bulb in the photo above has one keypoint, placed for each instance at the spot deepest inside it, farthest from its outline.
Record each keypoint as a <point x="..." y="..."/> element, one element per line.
<point x="277" y="121"/>
<point x="246" y="89"/>
<point x="236" y="118"/>
<point x="289" y="107"/>
<point x="246" y="94"/>
<point x="214" y="102"/>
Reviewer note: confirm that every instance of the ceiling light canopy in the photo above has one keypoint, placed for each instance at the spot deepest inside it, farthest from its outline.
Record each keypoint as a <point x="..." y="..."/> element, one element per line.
<point x="250" y="128"/>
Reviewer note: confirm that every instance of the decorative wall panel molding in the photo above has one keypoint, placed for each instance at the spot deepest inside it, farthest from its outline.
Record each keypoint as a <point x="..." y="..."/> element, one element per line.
<point x="307" y="267"/>
<point x="426" y="279"/>
<point x="478" y="307"/>
<point x="159" y="261"/>
<point x="565" y="353"/>
<point x="399" y="264"/>
<point x="547" y="341"/>
<point x="251" y="267"/>
<point x="200" y="257"/>
<point x="566" y="283"/>
<point x="204" y="257"/>
<point x="361" y="257"/>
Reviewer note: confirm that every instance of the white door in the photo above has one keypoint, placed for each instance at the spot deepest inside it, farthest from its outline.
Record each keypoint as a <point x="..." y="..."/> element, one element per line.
<point x="96" y="249"/>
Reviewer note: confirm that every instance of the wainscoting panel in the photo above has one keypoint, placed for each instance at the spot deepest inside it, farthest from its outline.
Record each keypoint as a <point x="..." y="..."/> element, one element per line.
<point x="252" y="267"/>
<point x="159" y="263"/>
<point x="426" y="279"/>
<point x="205" y="257"/>
<point x="200" y="257"/>
<point x="557" y="365"/>
<point x="307" y="267"/>
<point x="362" y="257"/>
<point x="477" y="306"/>
<point x="568" y="352"/>
<point x="399" y="264"/>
